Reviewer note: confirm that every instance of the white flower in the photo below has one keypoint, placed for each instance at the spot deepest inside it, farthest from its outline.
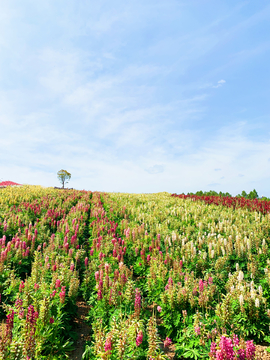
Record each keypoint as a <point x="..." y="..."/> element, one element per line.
<point x="257" y="302"/>
<point x="253" y="294"/>
<point x="240" y="276"/>
<point x="237" y="266"/>
<point x="241" y="299"/>
<point x="260" y="289"/>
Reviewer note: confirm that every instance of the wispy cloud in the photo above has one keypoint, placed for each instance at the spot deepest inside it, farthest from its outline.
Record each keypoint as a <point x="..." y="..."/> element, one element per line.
<point x="219" y="83"/>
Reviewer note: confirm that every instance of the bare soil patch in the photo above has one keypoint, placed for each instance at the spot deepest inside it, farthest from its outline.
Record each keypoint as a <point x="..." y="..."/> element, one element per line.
<point x="82" y="329"/>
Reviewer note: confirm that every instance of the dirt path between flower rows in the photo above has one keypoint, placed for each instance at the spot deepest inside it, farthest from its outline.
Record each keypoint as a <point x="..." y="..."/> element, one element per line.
<point x="82" y="329"/>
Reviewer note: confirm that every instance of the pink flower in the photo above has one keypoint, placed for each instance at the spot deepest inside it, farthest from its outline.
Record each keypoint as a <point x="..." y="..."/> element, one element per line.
<point x="106" y="268"/>
<point x="139" y="338"/>
<point x="159" y="308"/>
<point x="194" y="291"/>
<point x="108" y="344"/>
<point x="170" y="283"/>
<point x="9" y="324"/>
<point x="99" y="295"/>
<point x="58" y="283"/>
<point x="226" y="349"/>
<point x="72" y="267"/>
<point x="197" y="330"/>
<point x="116" y="274"/>
<point x="86" y="261"/>
<point x="235" y="340"/>
<point x="250" y="350"/>
<point x="32" y="315"/>
<point x="53" y="293"/>
<point x="100" y="284"/>
<point x="21" y="287"/>
<point x="241" y="353"/>
<point x="201" y="285"/>
<point x="213" y="350"/>
<point x="62" y="294"/>
<point x="36" y="286"/>
<point x="167" y="342"/>
<point x="51" y="320"/>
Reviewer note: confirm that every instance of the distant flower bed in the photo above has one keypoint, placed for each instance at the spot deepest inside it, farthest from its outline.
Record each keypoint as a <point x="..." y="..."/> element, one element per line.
<point x="262" y="206"/>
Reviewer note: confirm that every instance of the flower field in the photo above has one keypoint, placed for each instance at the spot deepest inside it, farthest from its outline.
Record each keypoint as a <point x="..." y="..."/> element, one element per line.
<point x="158" y="272"/>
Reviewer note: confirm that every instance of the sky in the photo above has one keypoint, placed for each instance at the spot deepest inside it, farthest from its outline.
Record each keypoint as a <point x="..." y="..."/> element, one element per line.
<point x="138" y="96"/>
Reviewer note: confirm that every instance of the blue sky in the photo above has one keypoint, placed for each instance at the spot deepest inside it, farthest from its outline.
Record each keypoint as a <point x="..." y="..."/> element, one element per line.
<point x="136" y="96"/>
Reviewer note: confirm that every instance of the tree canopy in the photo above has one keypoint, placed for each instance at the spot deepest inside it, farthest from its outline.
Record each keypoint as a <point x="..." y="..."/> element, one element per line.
<point x="63" y="176"/>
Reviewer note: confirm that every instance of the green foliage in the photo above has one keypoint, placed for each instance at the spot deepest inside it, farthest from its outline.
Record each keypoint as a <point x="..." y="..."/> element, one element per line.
<point x="63" y="177"/>
<point x="252" y="195"/>
<point x="190" y="346"/>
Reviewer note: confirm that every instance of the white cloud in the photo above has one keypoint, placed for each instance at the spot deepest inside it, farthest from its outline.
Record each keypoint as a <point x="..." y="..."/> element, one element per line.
<point x="219" y="83"/>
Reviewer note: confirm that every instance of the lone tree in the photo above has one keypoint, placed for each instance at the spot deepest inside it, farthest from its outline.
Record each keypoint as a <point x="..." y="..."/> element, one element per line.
<point x="63" y="176"/>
